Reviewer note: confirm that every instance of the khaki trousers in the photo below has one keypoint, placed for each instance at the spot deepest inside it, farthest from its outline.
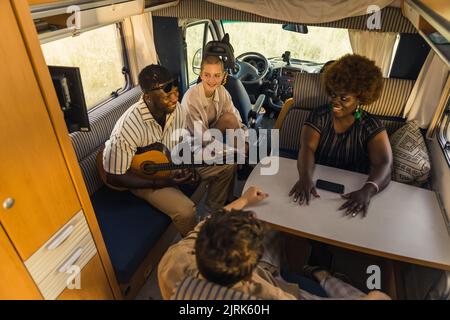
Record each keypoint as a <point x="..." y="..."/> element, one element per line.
<point x="220" y="180"/>
<point x="180" y="208"/>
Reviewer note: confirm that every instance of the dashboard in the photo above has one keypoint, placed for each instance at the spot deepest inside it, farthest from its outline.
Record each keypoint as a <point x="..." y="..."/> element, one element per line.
<point x="278" y="84"/>
<point x="286" y="82"/>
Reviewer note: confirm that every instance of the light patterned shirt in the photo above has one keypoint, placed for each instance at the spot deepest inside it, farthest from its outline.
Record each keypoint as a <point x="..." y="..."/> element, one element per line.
<point x="265" y="283"/>
<point x="196" y="105"/>
<point x="138" y="128"/>
<point x="179" y="261"/>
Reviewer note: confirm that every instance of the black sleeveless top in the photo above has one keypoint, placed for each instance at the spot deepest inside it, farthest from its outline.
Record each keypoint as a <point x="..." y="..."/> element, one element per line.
<point x="347" y="150"/>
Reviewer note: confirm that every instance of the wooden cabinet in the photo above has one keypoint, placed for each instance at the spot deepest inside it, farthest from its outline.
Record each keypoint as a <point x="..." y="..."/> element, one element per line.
<point x="431" y="19"/>
<point x="42" y="187"/>
<point x="14" y="279"/>
<point x="32" y="169"/>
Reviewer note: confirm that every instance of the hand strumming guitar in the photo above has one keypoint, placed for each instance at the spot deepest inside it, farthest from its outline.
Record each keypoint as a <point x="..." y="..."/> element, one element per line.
<point x="184" y="176"/>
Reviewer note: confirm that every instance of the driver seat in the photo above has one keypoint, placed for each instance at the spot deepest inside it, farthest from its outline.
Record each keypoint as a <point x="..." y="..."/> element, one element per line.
<point x="251" y="114"/>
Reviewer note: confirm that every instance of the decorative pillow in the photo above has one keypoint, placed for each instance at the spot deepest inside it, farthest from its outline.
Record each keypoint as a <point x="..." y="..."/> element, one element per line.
<point x="411" y="160"/>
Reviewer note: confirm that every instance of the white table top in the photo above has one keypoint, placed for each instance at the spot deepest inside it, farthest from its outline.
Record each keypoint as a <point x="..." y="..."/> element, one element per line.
<point x="403" y="222"/>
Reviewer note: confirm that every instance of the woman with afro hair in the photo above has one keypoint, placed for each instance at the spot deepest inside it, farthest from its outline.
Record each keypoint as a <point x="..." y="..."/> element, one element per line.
<point x="340" y="134"/>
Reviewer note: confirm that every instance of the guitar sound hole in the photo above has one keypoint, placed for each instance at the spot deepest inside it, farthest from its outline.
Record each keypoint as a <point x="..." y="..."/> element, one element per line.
<point x="147" y="168"/>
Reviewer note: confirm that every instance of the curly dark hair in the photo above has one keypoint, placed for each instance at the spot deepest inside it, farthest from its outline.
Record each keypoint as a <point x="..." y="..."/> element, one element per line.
<point x="354" y="74"/>
<point x="229" y="246"/>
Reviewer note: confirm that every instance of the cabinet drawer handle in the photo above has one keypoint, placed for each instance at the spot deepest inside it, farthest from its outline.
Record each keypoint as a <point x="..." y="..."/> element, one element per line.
<point x="70" y="261"/>
<point x="61" y="237"/>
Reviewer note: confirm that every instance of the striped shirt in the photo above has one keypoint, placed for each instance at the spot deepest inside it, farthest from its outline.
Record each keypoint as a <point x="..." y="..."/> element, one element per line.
<point x="137" y="128"/>
<point x="347" y="150"/>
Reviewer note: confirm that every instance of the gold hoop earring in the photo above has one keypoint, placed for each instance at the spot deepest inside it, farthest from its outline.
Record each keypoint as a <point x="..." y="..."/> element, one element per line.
<point x="225" y="78"/>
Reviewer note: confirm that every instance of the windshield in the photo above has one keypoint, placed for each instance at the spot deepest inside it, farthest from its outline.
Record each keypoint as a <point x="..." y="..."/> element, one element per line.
<point x="318" y="45"/>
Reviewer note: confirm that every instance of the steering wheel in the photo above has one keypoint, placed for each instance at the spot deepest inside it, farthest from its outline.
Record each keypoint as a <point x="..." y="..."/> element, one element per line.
<point x="247" y="73"/>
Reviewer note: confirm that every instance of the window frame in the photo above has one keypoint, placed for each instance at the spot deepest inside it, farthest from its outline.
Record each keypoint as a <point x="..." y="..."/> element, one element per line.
<point x="125" y="72"/>
<point x="442" y="128"/>
<point x="208" y="27"/>
<point x="125" y="61"/>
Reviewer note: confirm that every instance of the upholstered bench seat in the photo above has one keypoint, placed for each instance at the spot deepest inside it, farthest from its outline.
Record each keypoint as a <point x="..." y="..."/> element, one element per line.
<point x="130" y="228"/>
<point x="135" y="233"/>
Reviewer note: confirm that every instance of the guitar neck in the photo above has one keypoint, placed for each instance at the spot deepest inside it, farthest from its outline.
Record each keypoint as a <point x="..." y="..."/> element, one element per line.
<point x="171" y="166"/>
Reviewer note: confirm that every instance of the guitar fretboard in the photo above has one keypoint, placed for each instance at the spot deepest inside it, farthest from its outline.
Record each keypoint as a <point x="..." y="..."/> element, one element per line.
<point x="171" y="166"/>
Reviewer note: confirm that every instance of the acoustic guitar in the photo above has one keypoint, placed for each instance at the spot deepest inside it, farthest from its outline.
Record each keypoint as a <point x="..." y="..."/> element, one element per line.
<point x="151" y="162"/>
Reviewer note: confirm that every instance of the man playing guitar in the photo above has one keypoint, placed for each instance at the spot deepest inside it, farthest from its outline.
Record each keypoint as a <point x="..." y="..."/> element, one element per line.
<point x="155" y="118"/>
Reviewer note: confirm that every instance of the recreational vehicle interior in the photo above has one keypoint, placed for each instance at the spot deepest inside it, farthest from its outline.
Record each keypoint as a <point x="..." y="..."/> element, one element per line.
<point x="71" y="71"/>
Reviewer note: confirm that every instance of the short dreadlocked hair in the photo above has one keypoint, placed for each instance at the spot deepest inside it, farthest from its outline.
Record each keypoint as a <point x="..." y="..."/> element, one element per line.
<point x="354" y="74"/>
<point x="229" y="246"/>
<point x="152" y="76"/>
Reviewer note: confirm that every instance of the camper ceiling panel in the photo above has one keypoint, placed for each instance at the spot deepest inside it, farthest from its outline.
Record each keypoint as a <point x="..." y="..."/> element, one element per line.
<point x="61" y="7"/>
<point x="151" y="5"/>
<point x="88" y="19"/>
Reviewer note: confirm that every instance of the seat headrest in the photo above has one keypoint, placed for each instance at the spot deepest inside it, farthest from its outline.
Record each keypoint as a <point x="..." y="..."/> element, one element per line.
<point x="222" y="49"/>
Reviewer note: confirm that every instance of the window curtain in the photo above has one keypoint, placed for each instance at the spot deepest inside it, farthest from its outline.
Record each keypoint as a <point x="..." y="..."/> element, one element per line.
<point x="305" y="11"/>
<point x="377" y="46"/>
<point x="141" y="49"/>
<point x="427" y="91"/>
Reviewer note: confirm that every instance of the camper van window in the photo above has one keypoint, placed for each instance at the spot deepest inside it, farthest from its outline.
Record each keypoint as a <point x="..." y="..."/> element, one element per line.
<point x="318" y="45"/>
<point x="99" y="55"/>
<point x="444" y="131"/>
<point x="196" y="36"/>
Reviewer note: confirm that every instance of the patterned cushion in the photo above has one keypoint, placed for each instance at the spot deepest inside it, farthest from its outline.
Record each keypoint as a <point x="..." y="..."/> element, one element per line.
<point x="411" y="160"/>
<point x="102" y="120"/>
<point x="192" y="288"/>
<point x="391" y="125"/>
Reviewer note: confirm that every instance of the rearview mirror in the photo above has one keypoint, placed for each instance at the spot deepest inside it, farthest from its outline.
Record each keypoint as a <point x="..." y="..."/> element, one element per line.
<point x="197" y="61"/>
<point x="300" y="28"/>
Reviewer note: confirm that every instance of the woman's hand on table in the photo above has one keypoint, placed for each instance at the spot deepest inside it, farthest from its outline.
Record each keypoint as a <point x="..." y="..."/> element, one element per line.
<point x="357" y="201"/>
<point x="302" y="191"/>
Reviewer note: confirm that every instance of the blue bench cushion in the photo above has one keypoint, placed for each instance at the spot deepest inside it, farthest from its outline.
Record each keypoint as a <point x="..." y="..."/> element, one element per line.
<point x="130" y="228"/>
